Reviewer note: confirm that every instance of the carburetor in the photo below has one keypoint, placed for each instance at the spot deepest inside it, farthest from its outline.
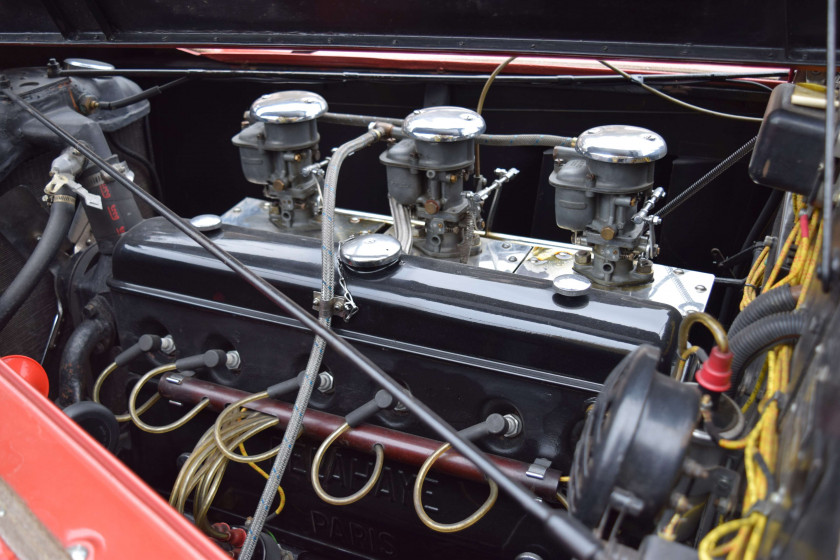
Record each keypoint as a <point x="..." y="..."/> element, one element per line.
<point x="598" y="191"/>
<point x="428" y="170"/>
<point x="278" y="149"/>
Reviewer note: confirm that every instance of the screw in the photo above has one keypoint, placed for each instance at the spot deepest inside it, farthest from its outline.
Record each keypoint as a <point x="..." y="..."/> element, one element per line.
<point x="679" y="271"/>
<point x="505" y="245"/>
<point x="316" y="302"/>
<point x="237" y="209"/>
<point x="534" y="260"/>
<point x="513" y="258"/>
<point x="700" y="288"/>
<point x="78" y="552"/>
<point x="355" y="220"/>
<point x="338" y="306"/>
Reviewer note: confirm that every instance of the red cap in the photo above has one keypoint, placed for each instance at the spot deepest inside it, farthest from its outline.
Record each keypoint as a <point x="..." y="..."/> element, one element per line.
<point x="716" y="373"/>
<point x="31" y="372"/>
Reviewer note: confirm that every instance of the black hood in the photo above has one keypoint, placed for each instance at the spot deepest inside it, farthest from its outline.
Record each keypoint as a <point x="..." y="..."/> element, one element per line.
<point x="777" y="32"/>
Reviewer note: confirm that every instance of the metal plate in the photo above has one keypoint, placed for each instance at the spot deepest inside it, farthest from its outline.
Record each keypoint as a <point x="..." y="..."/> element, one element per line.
<point x="685" y="290"/>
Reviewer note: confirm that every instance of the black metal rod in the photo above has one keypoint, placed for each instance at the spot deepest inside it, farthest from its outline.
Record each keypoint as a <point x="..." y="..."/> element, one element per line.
<point x="828" y="184"/>
<point x="567" y="531"/>
<point x="226" y="73"/>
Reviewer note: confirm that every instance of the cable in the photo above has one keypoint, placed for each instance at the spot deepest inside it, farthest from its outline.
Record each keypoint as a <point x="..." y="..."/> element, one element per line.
<point x="364" y="490"/>
<point x="264" y="474"/>
<point x="703" y="181"/>
<point x="97" y="389"/>
<point x="448" y="527"/>
<point x="707" y="321"/>
<point x="137" y="97"/>
<point x="223" y="416"/>
<point x="564" y="529"/>
<point x="132" y="404"/>
<point x="679" y="102"/>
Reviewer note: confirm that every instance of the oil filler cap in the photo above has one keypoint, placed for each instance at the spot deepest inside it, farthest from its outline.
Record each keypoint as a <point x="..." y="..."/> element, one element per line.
<point x="371" y="252"/>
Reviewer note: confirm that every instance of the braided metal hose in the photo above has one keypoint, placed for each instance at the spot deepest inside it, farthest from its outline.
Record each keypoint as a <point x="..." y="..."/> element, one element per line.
<point x="317" y="353"/>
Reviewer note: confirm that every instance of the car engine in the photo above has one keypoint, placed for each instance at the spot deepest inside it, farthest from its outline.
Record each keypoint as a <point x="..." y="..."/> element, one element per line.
<point x="384" y="315"/>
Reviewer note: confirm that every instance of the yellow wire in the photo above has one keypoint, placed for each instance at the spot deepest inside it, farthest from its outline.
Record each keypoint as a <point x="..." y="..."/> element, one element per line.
<point x="791" y="239"/>
<point x="754" y="277"/>
<point x="265" y="476"/>
<point x="683" y="357"/>
<point x="759" y="383"/>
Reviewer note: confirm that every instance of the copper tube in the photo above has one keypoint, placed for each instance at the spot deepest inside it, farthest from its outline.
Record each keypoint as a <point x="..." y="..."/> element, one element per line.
<point x="399" y="446"/>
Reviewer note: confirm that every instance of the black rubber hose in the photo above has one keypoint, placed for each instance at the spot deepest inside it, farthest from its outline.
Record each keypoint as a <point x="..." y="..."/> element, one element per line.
<point x="145" y="94"/>
<point x="707" y="178"/>
<point x="761" y="335"/>
<point x="777" y="300"/>
<point x="55" y="232"/>
<point x="75" y="360"/>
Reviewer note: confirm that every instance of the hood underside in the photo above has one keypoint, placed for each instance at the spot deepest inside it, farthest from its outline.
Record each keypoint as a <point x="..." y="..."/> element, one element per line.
<point x="753" y="31"/>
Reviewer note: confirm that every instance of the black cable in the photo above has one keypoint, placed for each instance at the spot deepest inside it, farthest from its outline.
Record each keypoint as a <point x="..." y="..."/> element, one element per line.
<point x="146" y="164"/>
<point x="55" y="232"/>
<point x="145" y="94"/>
<point x="707" y="178"/>
<point x="760" y="224"/>
<point x="567" y="531"/>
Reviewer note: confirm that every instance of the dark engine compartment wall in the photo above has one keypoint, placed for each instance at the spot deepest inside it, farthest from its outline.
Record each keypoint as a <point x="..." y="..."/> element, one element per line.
<point x="200" y="169"/>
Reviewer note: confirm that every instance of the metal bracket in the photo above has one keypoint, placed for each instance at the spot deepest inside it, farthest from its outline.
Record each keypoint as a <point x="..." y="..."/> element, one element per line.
<point x="338" y="305"/>
<point x="61" y="180"/>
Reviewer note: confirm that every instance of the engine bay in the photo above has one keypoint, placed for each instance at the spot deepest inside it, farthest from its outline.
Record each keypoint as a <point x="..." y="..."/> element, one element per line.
<point x="386" y="318"/>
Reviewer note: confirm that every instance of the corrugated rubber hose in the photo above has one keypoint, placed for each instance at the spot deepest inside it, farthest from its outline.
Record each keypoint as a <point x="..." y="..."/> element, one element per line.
<point x="761" y="335"/>
<point x="777" y="300"/>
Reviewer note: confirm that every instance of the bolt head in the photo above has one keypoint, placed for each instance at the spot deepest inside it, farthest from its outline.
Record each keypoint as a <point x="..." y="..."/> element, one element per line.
<point x="316" y="302"/>
<point x="608" y="233"/>
<point x="432" y="206"/>
<point x="700" y="288"/>
<point x="512" y="258"/>
<point x="583" y="257"/>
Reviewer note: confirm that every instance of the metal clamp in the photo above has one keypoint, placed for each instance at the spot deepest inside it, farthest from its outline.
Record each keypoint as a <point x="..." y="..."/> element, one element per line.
<point x="60" y="180"/>
<point x="538" y="468"/>
<point x="338" y="305"/>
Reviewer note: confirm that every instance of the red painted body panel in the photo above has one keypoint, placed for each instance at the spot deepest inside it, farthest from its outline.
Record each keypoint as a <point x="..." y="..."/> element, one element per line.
<point x="80" y="491"/>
